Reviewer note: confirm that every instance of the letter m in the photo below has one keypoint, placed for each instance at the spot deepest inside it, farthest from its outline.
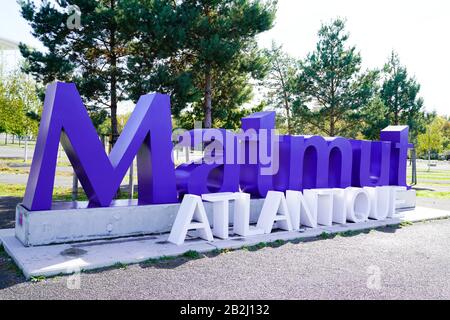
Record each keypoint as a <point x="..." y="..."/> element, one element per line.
<point x="147" y="134"/>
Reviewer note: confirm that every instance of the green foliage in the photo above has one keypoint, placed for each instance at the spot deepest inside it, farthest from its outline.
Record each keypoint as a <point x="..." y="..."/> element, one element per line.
<point x="327" y="235"/>
<point x="446" y="135"/>
<point x="196" y="51"/>
<point x="405" y="224"/>
<point x="222" y="37"/>
<point x="278" y="243"/>
<point x="156" y="60"/>
<point x="280" y="85"/>
<point x="204" y="55"/>
<point x="433" y="138"/>
<point x="433" y="194"/>
<point x="399" y="93"/>
<point x="207" y="59"/>
<point x="333" y="88"/>
<point x="374" y="118"/>
<point x="104" y="128"/>
<point x="120" y="265"/>
<point x="37" y="279"/>
<point x="92" y="56"/>
<point x="191" y="254"/>
<point x="19" y="105"/>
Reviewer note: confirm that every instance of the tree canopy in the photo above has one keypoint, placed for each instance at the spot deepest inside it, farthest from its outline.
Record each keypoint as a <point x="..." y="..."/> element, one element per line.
<point x="400" y="94"/>
<point x="18" y="103"/>
<point x="123" y="49"/>
<point x="280" y="84"/>
<point x="204" y="54"/>
<point x="91" y="54"/>
<point x="332" y="86"/>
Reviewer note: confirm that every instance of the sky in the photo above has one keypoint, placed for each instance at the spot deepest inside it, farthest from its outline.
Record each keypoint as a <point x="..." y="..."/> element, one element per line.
<point x="417" y="30"/>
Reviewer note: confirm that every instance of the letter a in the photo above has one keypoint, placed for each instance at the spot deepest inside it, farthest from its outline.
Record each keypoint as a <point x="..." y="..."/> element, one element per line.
<point x="190" y="216"/>
<point x="274" y="209"/>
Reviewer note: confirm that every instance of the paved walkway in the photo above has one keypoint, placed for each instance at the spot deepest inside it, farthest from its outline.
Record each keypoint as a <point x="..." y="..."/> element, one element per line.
<point x="442" y="204"/>
<point x="391" y="263"/>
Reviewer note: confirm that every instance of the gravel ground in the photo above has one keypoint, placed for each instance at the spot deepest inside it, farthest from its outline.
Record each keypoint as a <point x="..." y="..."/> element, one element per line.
<point x="407" y="263"/>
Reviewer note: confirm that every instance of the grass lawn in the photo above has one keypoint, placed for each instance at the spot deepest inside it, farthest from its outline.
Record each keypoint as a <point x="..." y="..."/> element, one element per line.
<point x="7" y="166"/>
<point x="5" y="161"/>
<point x="65" y="194"/>
<point x="438" y="179"/>
<point x="431" y="175"/>
<point x="14" y="170"/>
<point x="433" y="194"/>
<point x="421" y="177"/>
<point x="59" y="194"/>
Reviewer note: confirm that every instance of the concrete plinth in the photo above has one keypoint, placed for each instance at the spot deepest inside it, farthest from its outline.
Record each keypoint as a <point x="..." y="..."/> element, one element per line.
<point x="73" y="221"/>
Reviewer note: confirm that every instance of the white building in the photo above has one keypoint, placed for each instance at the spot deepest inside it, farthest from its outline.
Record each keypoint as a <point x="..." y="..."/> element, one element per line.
<point x="9" y="55"/>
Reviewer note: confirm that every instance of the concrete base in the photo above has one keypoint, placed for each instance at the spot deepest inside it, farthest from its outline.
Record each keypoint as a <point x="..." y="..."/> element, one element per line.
<point x="69" y="258"/>
<point x="73" y="221"/>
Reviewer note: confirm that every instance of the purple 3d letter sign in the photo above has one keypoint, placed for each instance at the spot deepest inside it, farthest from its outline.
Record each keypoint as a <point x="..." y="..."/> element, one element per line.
<point x="269" y="179"/>
<point x="302" y="162"/>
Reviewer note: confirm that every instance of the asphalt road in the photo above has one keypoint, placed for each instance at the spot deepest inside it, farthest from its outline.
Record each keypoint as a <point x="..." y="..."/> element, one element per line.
<point x="407" y="263"/>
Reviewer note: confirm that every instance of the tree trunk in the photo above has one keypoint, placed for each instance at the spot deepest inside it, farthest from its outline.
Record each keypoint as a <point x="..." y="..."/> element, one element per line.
<point x="208" y="98"/>
<point x="74" y="187"/>
<point x="288" y="115"/>
<point x="114" y="129"/>
<point x="113" y="103"/>
<point x="396" y="118"/>
<point x="113" y="97"/>
<point x="429" y="160"/>
<point x="131" y="180"/>
<point x="25" y="156"/>
<point x="6" y="138"/>
<point x="187" y="153"/>
<point x="332" y="127"/>
<point x="103" y="141"/>
<point x="414" y="167"/>
<point x="285" y="97"/>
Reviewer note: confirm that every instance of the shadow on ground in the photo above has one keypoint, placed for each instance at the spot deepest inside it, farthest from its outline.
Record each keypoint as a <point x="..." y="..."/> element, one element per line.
<point x="10" y="274"/>
<point x="423" y="189"/>
<point x="7" y="211"/>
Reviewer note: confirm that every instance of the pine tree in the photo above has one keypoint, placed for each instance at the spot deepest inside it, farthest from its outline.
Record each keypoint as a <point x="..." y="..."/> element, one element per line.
<point x="400" y="94"/>
<point x="157" y="60"/>
<point x="375" y="118"/>
<point x="85" y="44"/>
<point x="214" y="40"/>
<point x="280" y="83"/>
<point x="333" y="84"/>
<point x="233" y="90"/>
